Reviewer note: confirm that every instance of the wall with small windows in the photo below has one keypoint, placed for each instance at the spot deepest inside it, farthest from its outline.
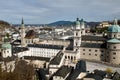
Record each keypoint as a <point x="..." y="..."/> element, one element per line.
<point x="114" y="35"/>
<point x="31" y="41"/>
<point x="6" y="53"/>
<point x="93" y="53"/>
<point x="71" y="56"/>
<point x="58" y="78"/>
<point x="114" y="57"/>
<point x="23" y="53"/>
<point x="113" y="53"/>
<point x="83" y="32"/>
<point x="113" y="46"/>
<point x="43" y="52"/>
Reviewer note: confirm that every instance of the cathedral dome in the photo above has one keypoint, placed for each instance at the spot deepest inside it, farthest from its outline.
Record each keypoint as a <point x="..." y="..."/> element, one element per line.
<point x="6" y="46"/>
<point x="114" y="28"/>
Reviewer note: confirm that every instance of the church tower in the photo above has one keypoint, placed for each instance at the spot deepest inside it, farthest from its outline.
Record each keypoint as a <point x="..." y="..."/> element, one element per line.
<point x="23" y="34"/>
<point x="82" y="24"/>
<point x="6" y="48"/>
<point x="77" y="36"/>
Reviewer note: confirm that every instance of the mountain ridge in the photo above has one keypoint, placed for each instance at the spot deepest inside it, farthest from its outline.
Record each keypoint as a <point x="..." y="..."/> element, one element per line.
<point x="71" y="23"/>
<point x="60" y="23"/>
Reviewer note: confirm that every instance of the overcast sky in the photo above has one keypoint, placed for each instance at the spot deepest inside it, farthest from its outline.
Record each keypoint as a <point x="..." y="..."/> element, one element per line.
<point x="47" y="11"/>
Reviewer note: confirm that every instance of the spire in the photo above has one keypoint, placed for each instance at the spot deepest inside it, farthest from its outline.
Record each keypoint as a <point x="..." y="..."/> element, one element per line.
<point x="115" y="22"/>
<point x="22" y="34"/>
<point x="22" y="21"/>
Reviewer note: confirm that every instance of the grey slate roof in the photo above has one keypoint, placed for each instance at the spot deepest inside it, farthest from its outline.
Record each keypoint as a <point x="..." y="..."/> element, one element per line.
<point x="18" y="49"/>
<point x="46" y="46"/>
<point x="69" y="48"/>
<point x="93" y="45"/>
<point x="18" y="41"/>
<point x="92" y="38"/>
<point x="8" y="59"/>
<point x="100" y="73"/>
<point x="37" y="58"/>
<point x="80" y="67"/>
<point x="63" y="71"/>
<point x="41" y="73"/>
<point x="31" y="34"/>
<point x="56" y="60"/>
<point x="94" y="76"/>
<point x="116" y="76"/>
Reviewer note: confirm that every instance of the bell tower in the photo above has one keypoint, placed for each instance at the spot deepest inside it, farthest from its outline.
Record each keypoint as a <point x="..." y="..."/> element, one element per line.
<point x="23" y="34"/>
<point x="77" y="36"/>
<point x="6" y="48"/>
<point x="82" y="24"/>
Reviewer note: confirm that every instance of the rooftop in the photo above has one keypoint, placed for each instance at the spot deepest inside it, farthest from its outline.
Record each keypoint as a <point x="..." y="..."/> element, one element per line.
<point x="8" y="59"/>
<point x="6" y="46"/>
<point x="31" y="34"/>
<point x="56" y="60"/>
<point x="113" y="41"/>
<point x="37" y="58"/>
<point x="94" y="76"/>
<point x="92" y="38"/>
<point x="93" y="45"/>
<point x="80" y="67"/>
<point x="18" y="49"/>
<point x="114" y="28"/>
<point x="48" y="46"/>
<point x="63" y="71"/>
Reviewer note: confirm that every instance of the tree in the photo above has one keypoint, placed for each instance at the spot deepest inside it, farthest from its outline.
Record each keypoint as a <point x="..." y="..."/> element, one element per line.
<point x="108" y="70"/>
<point x="24" y="71"/>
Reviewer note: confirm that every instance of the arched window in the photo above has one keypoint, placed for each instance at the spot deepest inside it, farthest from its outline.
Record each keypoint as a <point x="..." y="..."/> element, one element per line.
<point x="76" y="34"/>
<point x="32" y="41"/>
<point x="76" y="49"/>
<point x="68" y="57"/>
<point x="65" y="57"/>
<point x="74" y="58"/>
<point x="76" y="44"/>
<point x="71" y="57"/>
<point x="114" y="36"/>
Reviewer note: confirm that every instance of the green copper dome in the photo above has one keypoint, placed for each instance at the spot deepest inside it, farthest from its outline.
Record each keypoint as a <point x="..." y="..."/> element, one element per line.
<point x="114" y="28"/>
<point x="113" y="41"/>
<point x="82" y="21"/>
<point x="6" y="46"/>
<point x="77" y="21"/>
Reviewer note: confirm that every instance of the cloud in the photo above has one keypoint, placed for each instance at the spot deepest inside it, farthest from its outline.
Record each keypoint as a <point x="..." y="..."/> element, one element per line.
<point x="46" y="11"/>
